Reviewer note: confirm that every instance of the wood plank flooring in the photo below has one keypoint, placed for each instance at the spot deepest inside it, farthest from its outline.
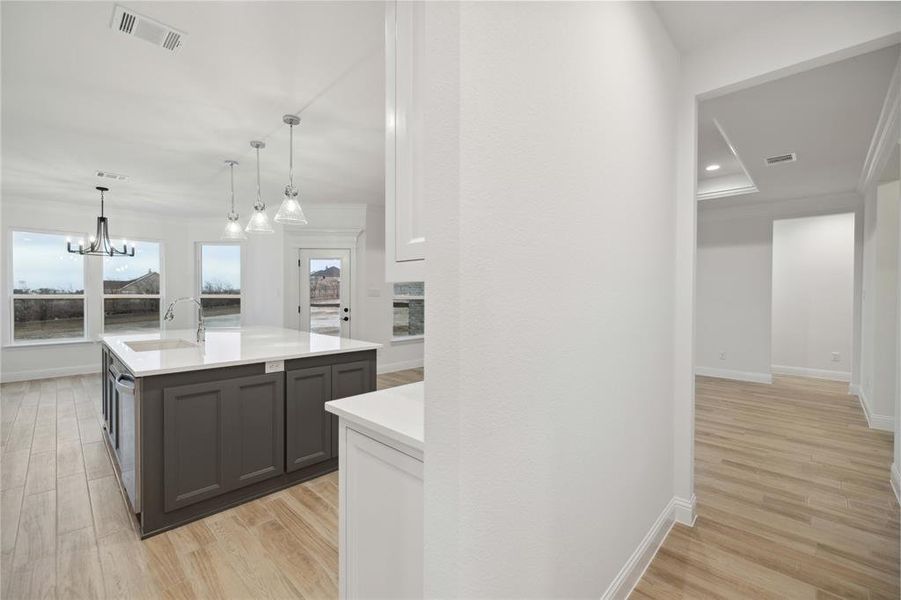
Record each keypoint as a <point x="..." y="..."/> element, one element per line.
<point x="65" y="532"/>
<point x="794" y="499"/>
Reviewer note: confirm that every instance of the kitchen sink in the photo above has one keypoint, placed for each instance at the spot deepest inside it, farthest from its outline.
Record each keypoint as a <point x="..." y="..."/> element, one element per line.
<point x="151" y="345"/>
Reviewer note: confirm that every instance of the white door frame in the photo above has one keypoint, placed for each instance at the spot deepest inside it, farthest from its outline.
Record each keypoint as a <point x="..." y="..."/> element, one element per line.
<point x="304" y="255"/>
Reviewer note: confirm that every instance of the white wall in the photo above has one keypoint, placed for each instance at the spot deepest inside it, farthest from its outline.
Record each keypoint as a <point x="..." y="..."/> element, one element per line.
<point x="813" y="34"/>
<point x="550" y="177"/>
<point x="879" y="373"/>
<point x="813" y="296"/>
<point x="734" y="274"/>
<point x="733" y="297"/>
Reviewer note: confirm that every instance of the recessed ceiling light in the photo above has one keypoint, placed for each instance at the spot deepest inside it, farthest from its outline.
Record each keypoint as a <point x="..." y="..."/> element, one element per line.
<point x="713" y="167"/>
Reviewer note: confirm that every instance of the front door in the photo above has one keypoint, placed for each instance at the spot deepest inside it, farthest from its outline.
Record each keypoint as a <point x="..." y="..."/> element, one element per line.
<point x="325" y="291"/>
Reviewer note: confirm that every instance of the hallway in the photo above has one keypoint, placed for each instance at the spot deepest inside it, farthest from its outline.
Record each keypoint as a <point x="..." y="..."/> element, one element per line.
<point x="793" y="499"/>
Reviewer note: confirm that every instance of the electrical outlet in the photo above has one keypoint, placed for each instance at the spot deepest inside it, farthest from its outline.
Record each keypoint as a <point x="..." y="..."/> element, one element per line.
<point x="836" y="357"/>
<point x="274" y="366"/>
<point x="723" y="355"/>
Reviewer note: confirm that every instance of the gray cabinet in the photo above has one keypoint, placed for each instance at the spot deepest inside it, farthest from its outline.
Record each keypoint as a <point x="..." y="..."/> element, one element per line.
<point x="309" y="432"/>
<point x="349" y="379"/>
<point x="221" y="435"/>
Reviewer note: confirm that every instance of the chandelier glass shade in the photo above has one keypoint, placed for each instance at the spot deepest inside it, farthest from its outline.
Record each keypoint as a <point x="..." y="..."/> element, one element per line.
<point x="290" y="211"/>
<point x="100" y="244"/>
<point x="259" y="219"/>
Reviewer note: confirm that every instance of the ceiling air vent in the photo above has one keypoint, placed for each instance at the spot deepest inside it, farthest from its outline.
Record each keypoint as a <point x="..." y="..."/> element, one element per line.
<point x="782" y="158"/>
<point x="131" y="23"/>
<point x="113" y="176"/>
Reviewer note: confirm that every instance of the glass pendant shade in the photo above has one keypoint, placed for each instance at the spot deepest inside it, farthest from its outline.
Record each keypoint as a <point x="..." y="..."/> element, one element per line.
<point x="290" y="212"/>
<point x="233" y="230"/>
<point x="259" y="220"/>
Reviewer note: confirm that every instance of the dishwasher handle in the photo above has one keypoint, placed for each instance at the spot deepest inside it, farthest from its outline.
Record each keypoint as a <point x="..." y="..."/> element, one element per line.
<point x="125" y="384"/>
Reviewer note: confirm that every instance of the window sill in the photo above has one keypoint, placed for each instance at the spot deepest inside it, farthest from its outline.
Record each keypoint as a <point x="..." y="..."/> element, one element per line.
<point x="39" y="343"/>
<point x="407" y="338"/>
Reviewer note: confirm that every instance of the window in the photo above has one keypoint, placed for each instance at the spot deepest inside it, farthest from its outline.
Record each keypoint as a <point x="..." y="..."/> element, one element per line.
<point x="48" y="288"/>
<point x="131" y="289"/>
<point x="220" y="284"/>
<point x="409" y="309"/>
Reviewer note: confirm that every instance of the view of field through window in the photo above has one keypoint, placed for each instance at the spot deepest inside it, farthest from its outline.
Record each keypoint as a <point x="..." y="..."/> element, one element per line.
<point x="48" y="288"/>
<point x="325" y="296"/>
<point x="220" y="284"/>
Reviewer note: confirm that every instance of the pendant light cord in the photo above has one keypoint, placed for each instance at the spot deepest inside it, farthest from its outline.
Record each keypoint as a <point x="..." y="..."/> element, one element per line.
<point x="259" y="196"/>
<point x="291" y="158"/>
<point x="232" y="169"/>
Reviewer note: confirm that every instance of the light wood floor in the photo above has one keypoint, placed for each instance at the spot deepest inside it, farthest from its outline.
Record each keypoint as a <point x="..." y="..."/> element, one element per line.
<point x="794" y="499"/>
<point x="66" y="534"/>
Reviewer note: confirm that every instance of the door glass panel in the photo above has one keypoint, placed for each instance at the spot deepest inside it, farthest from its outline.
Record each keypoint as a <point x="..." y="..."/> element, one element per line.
<point x="325" y="296"/>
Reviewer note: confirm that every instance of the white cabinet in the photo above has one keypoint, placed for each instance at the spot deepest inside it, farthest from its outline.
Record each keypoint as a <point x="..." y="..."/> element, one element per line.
<point x="404" y="236"/>
<point x="381" y="539"/>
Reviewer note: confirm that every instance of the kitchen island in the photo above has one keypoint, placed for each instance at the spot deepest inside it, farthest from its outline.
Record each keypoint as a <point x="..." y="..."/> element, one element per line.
<point x="195" y="427"/>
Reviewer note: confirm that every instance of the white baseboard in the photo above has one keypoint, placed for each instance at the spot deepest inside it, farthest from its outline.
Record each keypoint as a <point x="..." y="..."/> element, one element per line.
<point x="896" y="481"/>
<point x="736" y="375"/>
<point x="684" y="511"/>
<point x="48" y="373"/>
<point x="813" y="373"/>
<point x="399" y="366"/>
<point x="631" y="573"/>
<point x="854" y="389"/>
<point x="874" y="421"/>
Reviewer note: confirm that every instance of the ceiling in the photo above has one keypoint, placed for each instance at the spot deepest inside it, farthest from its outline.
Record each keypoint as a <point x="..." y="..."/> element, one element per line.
<point x="78" y="96"/>
<point x="826" y="115"/>
<point x="693" y="25"/>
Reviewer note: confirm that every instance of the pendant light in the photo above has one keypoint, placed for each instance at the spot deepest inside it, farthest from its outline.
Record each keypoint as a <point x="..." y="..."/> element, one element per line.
<point x="290" y="211"/>
<point x="233" y="230"/>
<point x="259" y="220"/>
<point x="100" y="242"/>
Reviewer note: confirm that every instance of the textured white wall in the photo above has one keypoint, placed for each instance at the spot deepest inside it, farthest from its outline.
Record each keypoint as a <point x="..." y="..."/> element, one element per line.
<point x="549" y="396"/>
<point x="733" y="296"/>
<point x="813" y="295"/>
<point x="879" y="371"/>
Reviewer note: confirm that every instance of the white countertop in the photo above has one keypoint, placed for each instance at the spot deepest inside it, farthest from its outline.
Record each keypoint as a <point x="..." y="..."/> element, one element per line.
<point x="396" y="413"/>
<point x="226" y="348"/>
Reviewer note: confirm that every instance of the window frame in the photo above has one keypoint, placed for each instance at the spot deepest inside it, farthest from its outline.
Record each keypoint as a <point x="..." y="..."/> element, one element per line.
<point x="198" y="277"/>
<point x="11" y="340"/>
<point x="160" y="296"/>
<point x="396" y="296"/>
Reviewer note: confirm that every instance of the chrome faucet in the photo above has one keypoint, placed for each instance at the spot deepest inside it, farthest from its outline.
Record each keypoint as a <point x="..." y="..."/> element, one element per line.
<point x="201" y="329"/>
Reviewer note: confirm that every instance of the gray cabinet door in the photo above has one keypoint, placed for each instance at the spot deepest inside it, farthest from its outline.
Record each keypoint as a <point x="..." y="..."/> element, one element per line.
<point x="221" y="435"/>
<point x="308" y="431"/>
<point x="196" y="428"/>
<point x="349" y="379"/>
<point x="257" y="441"/>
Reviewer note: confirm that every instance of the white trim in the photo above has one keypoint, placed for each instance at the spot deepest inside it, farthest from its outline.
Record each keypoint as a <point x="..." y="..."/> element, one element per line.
<point x="631" y="573"/>
<point x="874" y="421"/>
<point x="885" y="136"/>
<point x="896" y="482"/>
<point x="403" y="365"/>
<point x="736" y="191"/>
<point x="403" y="339"/>
<point x="684" y="511"/>
<point x="736" y="375"/>
<point x="49" y="373"/>
<point x="813" y="373"/>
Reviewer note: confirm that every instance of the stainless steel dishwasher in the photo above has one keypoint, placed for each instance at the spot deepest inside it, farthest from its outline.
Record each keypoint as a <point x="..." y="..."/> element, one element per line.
<point x="128" y="433"/>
